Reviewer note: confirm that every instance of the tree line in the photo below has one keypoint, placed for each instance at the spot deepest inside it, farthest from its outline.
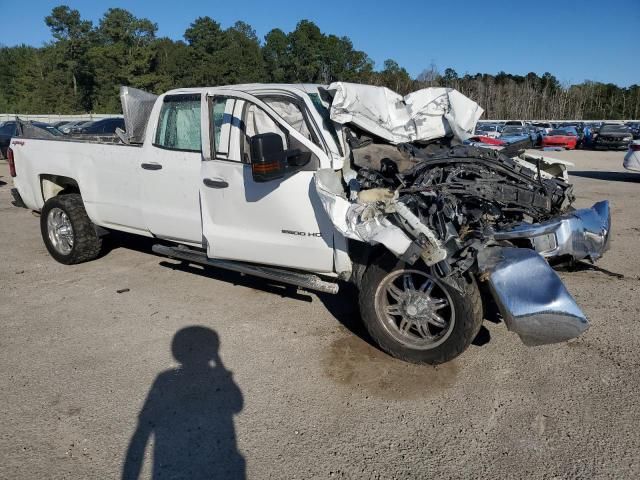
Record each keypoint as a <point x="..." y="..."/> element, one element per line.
<point x="82" y="68"/>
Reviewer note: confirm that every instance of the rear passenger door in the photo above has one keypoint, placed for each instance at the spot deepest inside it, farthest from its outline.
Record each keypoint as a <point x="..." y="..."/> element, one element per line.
<point x="170" y="171"/>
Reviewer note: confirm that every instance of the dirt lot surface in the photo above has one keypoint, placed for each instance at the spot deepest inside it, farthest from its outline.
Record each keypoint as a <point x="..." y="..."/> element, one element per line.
<point x="88" y="375"/>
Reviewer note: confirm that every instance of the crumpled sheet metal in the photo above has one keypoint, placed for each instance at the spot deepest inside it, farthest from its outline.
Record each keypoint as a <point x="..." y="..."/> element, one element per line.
<point x="549" y="167"/>
<point x="357" y="221"/>
<point x="420" y="116"/>
<point x="579" y="234"/>
<point x="541" y="311"/>
<point x="136" y="108"/>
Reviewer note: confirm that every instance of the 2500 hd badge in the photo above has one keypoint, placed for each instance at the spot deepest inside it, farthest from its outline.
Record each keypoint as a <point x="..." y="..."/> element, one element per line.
<point x="302" y="234"/>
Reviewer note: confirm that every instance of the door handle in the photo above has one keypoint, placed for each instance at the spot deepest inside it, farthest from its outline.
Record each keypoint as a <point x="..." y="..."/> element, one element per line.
<point x="215" y="183"/>
<point x="151" y="166"/>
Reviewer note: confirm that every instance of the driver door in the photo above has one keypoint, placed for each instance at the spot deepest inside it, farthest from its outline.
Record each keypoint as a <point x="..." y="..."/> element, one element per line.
<point x="279" y="222"/>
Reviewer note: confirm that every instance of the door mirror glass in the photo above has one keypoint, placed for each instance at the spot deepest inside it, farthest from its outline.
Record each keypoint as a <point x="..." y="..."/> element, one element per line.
<point x="268" y="159"/>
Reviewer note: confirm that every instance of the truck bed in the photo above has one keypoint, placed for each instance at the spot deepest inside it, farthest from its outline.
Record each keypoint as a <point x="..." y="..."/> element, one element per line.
<point x="105" y="171"/>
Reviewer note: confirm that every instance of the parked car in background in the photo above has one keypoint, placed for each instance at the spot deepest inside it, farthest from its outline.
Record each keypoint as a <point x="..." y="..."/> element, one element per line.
<point x="544" y="126"/>
<point x="517" y="123"/>
<point x="634" y="128"/>
<point x="612" y="136"/>
<point x="105" y="126"/>
<point x="565" y="138"/>
<point x="9" y="129"/>
<point x="491" y="130"/>
<point x="536" y="135"/>
<point x="68" y="127"/>
<point x="632" y="158"/>
<point x="512" y="134"/>
<point x="577" y="128"/>
<point x="45" y="126"/>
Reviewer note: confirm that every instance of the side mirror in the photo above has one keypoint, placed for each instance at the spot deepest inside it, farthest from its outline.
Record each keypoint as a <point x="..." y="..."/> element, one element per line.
<point x="268" y="159"/>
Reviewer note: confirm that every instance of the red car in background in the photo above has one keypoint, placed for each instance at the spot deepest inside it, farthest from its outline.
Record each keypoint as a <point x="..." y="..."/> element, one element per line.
<point x="560" y="138"/>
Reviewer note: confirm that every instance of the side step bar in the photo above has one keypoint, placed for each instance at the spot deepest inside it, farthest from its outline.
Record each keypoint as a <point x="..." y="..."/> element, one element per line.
<point x="307" y="281"/>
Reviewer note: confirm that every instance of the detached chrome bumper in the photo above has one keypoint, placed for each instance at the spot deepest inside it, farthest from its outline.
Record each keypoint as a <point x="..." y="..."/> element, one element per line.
<point x="580" y="234"/>
<point x="531" y="297"/>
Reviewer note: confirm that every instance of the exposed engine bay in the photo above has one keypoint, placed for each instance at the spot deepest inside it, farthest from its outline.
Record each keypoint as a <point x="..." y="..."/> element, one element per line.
<point x="461" y="194"/>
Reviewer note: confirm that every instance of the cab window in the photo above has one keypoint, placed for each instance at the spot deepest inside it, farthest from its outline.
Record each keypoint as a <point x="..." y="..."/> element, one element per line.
<point x="258" y="122"/>
<point x="235" y="121"/>
<point x="179" y="123"/>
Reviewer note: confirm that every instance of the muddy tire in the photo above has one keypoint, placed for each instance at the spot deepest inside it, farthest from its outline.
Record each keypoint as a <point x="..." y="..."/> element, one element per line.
<point x="68" y="234"/>
<point x="414" y="316"/>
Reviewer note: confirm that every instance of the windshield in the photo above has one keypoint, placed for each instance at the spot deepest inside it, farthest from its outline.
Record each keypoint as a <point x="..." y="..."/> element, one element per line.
<point x="613" y="129"/>
<point x="49" y="128"/>
<point x="513" y="131"/>
<point x="553" y="133"/>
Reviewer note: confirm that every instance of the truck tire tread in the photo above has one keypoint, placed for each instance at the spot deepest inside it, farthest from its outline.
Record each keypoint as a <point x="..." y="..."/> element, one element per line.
<point x="87" y="244"/>
<point x="469" y="316"/>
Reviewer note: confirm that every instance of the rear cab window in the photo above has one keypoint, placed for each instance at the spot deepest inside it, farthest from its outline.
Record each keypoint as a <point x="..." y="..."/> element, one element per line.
<point x="179" y="123"/>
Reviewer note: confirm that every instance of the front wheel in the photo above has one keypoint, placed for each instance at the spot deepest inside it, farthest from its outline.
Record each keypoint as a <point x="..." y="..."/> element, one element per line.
<point x="67" y="231"/>
<point x="415" y="316"/>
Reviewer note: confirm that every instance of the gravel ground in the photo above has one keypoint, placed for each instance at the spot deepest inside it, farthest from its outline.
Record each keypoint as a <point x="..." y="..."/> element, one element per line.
<point x="88" y="374"/>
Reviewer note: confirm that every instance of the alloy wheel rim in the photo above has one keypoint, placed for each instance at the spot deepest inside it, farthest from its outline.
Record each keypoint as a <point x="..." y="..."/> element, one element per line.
<point x="415" y="309"/>
<point x="60" y="231"/>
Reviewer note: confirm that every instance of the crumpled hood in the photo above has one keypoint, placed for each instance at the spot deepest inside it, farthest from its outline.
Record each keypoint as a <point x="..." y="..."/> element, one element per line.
<point x="423" y="115"/>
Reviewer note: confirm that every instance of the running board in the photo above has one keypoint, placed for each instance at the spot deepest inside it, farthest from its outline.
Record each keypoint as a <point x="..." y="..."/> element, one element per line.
<point x="307" y="281"/>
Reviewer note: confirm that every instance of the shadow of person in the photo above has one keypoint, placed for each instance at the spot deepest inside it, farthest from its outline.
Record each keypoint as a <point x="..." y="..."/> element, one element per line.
<point x="189" y="412"/>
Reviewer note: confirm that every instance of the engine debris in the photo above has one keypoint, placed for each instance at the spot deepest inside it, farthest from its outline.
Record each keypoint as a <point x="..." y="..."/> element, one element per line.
<point x="463" y="210"/>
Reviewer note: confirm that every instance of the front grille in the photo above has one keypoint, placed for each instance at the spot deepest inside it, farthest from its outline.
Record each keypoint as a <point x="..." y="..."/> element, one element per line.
<point x="615" y="139"/>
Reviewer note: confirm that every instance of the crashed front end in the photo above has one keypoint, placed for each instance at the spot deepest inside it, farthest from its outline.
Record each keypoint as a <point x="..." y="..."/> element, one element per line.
<point x="460" y="209"/>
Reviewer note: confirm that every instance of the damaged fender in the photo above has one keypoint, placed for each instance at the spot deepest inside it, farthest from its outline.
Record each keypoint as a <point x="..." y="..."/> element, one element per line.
<point x="366" y="220"/>
<point x="540" y="312"/>
<point x="357" y="221"/>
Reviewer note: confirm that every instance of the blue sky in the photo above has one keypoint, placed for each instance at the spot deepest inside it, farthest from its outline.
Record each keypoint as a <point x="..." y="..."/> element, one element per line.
<point x="595" y="40"/>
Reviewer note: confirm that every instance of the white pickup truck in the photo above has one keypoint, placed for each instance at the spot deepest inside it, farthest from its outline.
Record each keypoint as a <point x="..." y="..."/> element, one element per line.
<point x="295" y="184"/>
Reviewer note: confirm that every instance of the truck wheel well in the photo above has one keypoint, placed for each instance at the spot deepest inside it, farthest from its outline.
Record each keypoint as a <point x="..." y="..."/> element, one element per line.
<point x="362" y="255"/>
<point x="53" y="185"/>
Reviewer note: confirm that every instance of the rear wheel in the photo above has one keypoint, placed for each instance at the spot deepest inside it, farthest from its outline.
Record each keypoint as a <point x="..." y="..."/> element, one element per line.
<point x="67" y="231"/>
<point x="415" y="316"/>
